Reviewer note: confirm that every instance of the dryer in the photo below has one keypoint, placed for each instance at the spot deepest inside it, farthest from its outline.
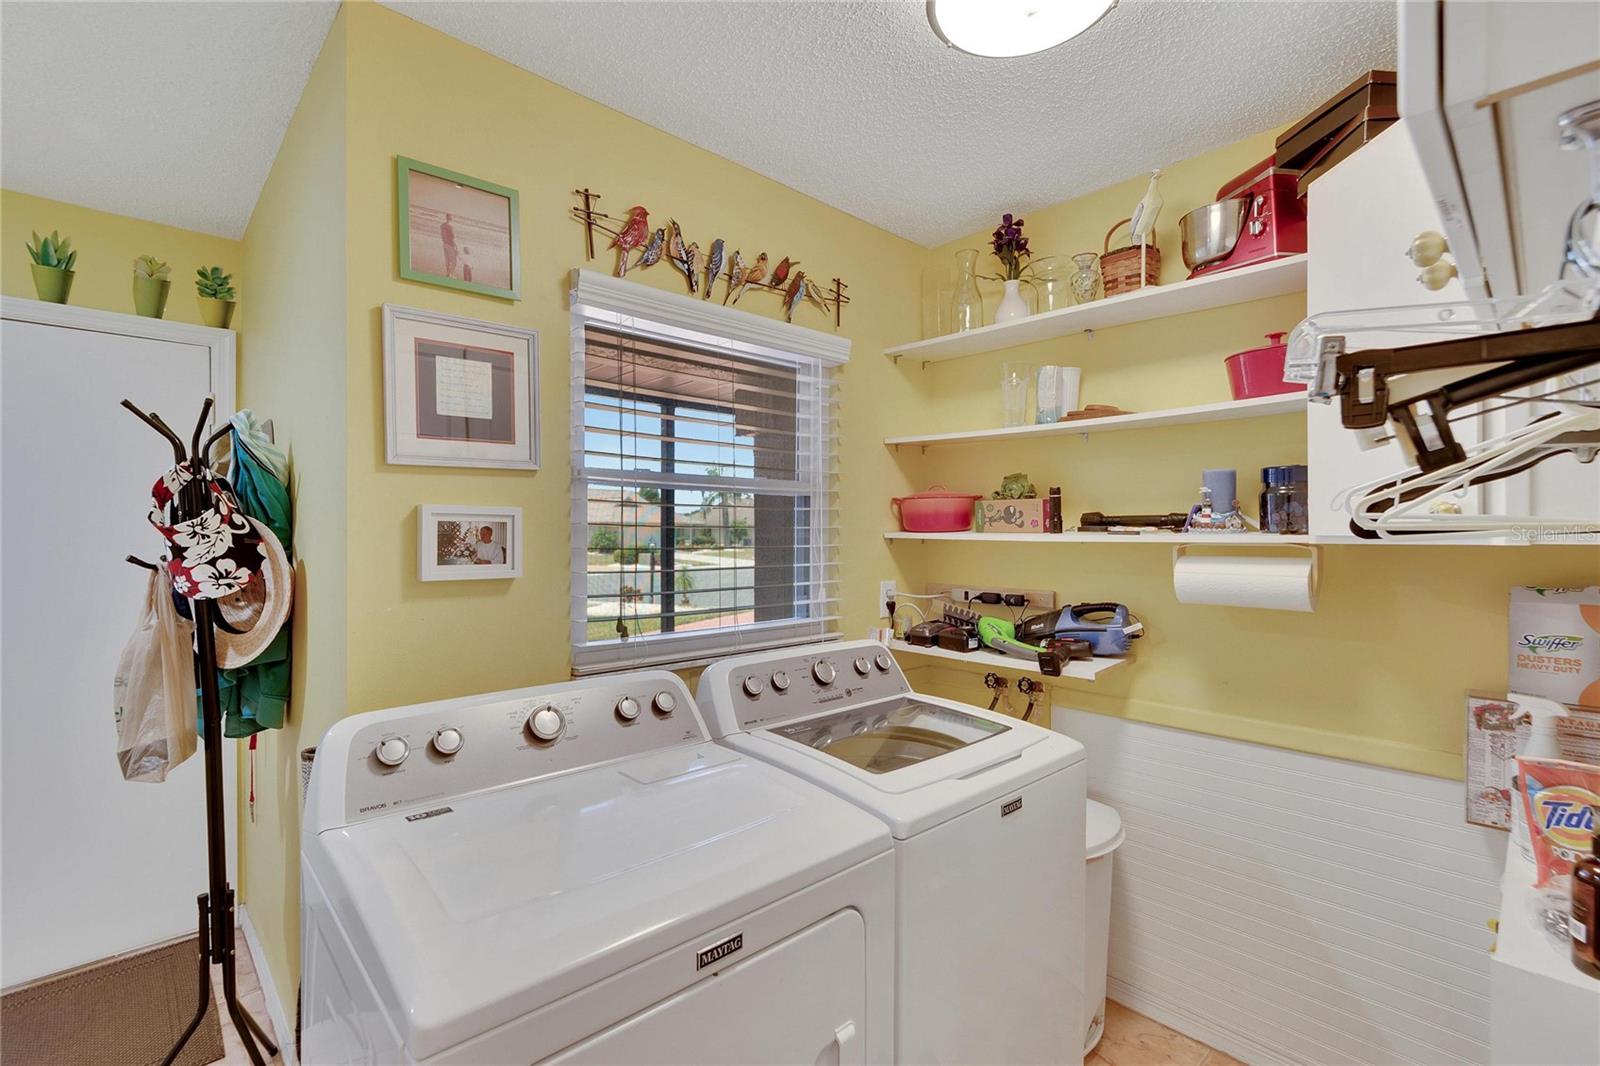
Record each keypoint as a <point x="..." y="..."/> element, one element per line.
<point x="987" y="815"/>
<point x="575" y="873"/>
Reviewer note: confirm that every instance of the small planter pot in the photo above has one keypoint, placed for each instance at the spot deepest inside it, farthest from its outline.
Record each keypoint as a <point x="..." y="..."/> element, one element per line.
<point x="214" y="312"/>
<point x="150" y="296"/>
<point x="51" y="284"/>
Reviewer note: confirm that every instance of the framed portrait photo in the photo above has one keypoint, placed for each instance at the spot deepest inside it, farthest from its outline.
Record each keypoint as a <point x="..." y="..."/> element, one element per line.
<point x="458" y="391"/>
<point x="457" y="231"/>
<point x="468" y="543"/>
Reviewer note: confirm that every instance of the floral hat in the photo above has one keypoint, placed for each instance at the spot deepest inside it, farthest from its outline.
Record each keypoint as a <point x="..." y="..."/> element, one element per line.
<point x="215" y="553"/>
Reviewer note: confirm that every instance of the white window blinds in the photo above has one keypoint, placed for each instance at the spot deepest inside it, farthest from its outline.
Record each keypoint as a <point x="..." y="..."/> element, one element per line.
<point x="703" y="499"/>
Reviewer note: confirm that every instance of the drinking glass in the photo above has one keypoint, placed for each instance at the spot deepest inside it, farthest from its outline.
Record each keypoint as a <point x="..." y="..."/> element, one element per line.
<point x="1014" y="393"/>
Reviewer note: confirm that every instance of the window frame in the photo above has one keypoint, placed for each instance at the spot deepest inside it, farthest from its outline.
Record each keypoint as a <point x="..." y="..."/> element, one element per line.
<point x="651" y="314"/>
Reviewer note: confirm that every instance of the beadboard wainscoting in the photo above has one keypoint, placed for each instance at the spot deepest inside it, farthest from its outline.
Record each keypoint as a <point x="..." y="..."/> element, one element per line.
<point x="1290" y="908"/>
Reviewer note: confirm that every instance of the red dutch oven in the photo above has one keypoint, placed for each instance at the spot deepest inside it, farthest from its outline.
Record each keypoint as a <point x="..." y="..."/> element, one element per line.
<point x="1259" y="371"/>
<point x="935" y="511"/>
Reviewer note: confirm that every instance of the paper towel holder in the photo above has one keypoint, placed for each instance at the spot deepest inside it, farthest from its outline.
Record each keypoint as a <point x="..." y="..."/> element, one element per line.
<point x="1315" y="578"/>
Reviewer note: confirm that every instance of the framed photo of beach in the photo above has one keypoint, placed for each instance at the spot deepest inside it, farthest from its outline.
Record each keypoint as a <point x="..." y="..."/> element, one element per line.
<point x="459" y="391"/>
<point x="457" y="231"/>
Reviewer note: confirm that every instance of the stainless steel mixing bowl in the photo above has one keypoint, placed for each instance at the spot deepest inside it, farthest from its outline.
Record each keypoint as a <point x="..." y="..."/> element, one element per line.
<point x="1210" y="232"/>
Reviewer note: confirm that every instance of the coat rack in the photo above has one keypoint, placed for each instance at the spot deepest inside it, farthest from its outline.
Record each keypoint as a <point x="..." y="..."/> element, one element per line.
<point x="215" y="922"/>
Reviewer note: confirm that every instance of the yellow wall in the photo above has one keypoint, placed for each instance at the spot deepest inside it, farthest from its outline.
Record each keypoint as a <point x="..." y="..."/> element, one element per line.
<point x="1377" y="673"/>
<point x="292" y="370"/>
<point x="107" y="245"/>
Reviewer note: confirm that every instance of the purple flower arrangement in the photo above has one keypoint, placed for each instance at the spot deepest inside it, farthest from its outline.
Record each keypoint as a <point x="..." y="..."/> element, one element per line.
<point x="1010" y="246"/>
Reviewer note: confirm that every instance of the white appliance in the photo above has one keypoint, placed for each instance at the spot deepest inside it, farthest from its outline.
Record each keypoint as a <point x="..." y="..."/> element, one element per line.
<point x="987" y="814"/>
<point x="94" y="865"/>
<point x="574" y="873"/>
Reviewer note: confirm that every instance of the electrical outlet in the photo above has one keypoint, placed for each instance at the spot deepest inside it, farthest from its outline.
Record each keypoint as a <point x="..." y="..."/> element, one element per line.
<point x="885" y="594"/>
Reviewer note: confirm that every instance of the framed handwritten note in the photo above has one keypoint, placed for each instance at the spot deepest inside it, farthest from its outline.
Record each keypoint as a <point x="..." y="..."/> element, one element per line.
<point x="458" y="391"/>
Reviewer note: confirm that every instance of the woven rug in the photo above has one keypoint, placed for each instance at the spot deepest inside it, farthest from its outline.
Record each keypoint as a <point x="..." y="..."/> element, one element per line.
<point x="126" y="1011"/>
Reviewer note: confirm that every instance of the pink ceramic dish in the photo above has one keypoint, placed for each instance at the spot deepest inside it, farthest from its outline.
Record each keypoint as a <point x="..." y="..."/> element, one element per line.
<point x="1259" y="371"/>
<point x="935" y="511"/>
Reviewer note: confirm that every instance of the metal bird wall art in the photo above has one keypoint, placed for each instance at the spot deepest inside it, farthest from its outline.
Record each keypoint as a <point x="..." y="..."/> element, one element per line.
<point x="632" y="233"/>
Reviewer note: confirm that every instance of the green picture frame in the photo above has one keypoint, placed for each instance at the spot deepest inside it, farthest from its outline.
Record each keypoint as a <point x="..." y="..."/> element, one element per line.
<point x="438" y="211"/>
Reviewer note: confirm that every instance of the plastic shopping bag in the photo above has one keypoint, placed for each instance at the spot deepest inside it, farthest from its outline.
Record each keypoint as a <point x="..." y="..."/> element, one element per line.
<point x="153" y="692"/>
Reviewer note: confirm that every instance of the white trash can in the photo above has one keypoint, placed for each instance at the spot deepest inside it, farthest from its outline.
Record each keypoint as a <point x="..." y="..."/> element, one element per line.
<point x="1102" y="836"/>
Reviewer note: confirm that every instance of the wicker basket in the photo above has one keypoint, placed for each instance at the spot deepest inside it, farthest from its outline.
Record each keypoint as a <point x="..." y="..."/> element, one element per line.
<point x="1120" y="268"/>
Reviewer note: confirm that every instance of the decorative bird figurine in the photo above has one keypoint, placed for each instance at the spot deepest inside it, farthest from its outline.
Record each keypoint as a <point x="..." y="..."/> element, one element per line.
<point x="1144" y="216"/>
<point x="682" y="257"/>
<point x="791" y="296"/>
<point x="780" y="273"/>
<point x="713" y="265"/>
<point x="651" y="255"/>
<point x="816" y="295"/>
<point x="752" y="276"/>
<point x="632" y="234"/>
<point x="735" y="271"/>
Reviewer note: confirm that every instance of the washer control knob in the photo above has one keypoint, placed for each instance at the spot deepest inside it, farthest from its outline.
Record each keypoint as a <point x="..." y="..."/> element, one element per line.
<point x="627" y="708"/>
<point x="753" y="685"/>
<point x="447" y="741"/>
<point x="392" y="751"/>
<point x="546" y="724"/>
<point x="863" y="667"/>
<point x="883" y="661"/>
<point x="664" y="703"/>
<point x="780" y="681"/>
<point x="824" y="672"/>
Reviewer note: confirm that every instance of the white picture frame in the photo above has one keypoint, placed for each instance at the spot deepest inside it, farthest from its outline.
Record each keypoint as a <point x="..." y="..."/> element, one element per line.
<point x="459" y="391"/>
<point x="464" y="553"/>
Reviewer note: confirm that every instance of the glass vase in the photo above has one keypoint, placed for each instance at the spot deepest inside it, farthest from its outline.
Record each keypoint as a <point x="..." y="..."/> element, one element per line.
<point x="1050" y="283"/>
<point x="966" y="306"/>
<point x="938" y="292"/>
<point x="1086" y="284"/>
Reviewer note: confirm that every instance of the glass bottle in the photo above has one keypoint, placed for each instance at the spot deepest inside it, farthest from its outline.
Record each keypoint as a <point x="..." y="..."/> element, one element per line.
<point x="966" y="306"/>
<point x="1086" y="284"/>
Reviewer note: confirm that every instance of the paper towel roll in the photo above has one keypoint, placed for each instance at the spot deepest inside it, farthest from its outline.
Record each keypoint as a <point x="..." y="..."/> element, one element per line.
<point x="1276" y="583"/>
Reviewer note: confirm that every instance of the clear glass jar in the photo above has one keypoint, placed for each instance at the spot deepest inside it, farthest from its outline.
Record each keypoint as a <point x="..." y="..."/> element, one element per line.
<point x="1051" y="283"/>
<point x="1014" y="393"/>
<point x="1086" y="281"/>
<point x="966" y="305"/>
<point x="1283" y="500"/>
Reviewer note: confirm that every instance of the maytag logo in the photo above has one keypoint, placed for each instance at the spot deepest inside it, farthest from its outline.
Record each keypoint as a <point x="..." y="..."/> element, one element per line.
<point x="718" y="952"/>
<point x="1011" y="807"/>
<point x="1551" y="642"/>
<point x="420" y="815"/>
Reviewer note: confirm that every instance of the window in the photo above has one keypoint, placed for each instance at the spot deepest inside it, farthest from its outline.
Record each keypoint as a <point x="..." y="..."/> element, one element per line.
<point x="702" y="519"/>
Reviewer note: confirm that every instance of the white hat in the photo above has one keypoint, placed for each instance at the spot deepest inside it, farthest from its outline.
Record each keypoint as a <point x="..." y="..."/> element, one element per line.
<point x="259" y="609"/>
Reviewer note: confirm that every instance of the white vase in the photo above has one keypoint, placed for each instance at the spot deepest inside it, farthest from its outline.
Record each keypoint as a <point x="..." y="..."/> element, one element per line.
<point x="1012" y="305"/>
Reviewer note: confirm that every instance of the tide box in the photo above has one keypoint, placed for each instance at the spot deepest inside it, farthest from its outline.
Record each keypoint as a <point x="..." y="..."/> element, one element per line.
<point x="1011" y="516"/>
<point x="1555" y="643"/>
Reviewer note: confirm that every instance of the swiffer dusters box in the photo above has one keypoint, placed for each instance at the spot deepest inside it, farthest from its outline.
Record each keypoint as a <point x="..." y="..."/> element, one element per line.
<point x="1555" y="643"/>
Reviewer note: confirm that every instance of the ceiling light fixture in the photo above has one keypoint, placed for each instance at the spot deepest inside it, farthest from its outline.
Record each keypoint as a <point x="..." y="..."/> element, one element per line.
<point x="1003" y="29"/>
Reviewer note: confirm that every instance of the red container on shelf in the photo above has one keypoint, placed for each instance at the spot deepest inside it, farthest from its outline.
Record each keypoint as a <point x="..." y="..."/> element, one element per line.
<point x="935" y="511"/>
<point x="1259" y="371"/>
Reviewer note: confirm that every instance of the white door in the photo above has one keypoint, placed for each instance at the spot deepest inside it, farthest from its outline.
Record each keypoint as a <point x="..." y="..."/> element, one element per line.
<point x="93" y="865"/>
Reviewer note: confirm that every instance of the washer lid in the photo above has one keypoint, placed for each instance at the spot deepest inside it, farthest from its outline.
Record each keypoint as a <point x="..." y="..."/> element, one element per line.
<point x="1103" y="829"/>
<point x="498" y="903"/>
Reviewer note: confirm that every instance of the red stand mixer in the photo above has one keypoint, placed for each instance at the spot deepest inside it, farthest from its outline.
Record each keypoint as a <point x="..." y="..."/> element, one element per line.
<point x="1257" y="217"/>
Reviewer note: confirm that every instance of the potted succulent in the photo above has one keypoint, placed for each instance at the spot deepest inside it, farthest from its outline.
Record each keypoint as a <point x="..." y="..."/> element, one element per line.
<point x="216" y="296"/>
<point x="151" y="282"/>
<point x="53" y="259"/>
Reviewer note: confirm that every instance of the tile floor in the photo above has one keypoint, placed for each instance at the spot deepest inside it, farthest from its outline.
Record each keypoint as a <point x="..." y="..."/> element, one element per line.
<point x="251" y="998"/>
<point x="1131" y="1039"/>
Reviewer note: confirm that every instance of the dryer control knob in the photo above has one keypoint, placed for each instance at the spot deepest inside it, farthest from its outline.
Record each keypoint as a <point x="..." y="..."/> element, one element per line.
<point x="392" y="751"/>
<point x="824" y="672"/>
<point x="664" y="703"/>
<point x="627" y="708"/>
<point x="883" y="661"/>
<point x="780" y="681"/>
<point x="753" y="685"/>
<point x="863" y="667"/>
<point x="546" y="724"/>
<point x="447" y="741"/>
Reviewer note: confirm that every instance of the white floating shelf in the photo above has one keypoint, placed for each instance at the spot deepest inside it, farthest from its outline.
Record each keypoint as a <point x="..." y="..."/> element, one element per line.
<point x="1260" y="407"/>
<point x="1277" y="278"/>
<point x="1260" y="540"/>
<point x="1080" y="669"/>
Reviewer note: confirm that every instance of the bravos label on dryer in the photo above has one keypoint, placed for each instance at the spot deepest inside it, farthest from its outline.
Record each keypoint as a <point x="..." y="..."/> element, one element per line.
<point x="718" y="952"/>
<point x="1011" y="807"/>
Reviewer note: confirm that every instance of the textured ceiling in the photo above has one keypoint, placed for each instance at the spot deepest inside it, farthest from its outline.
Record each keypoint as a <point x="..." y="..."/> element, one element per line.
<point x="174" y="111"/>
<point x="166" y="111"/>
<point x="859" y="105"/>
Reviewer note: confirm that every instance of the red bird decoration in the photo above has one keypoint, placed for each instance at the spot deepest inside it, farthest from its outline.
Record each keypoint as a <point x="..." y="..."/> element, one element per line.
<point x="780" y="273"/>
<point x="632" y="234"/>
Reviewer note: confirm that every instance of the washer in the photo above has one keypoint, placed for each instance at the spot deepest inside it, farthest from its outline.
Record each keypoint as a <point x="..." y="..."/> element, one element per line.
<point x="575" y="873"/>
<point x="987" y="814"/>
